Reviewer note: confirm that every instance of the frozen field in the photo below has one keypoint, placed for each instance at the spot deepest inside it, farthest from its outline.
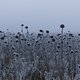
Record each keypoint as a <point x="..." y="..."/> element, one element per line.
<point x="41" y="56"/>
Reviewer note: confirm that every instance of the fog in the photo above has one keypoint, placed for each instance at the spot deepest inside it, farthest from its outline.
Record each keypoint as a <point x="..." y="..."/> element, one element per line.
<point x="40" y="14"/>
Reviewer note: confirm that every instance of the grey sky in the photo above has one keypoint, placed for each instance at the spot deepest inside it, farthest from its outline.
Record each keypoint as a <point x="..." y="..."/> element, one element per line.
<point x="40" y="14"/>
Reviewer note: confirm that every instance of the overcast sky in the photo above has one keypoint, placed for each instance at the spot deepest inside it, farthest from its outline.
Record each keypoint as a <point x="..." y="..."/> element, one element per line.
<point x="40" y="14"/>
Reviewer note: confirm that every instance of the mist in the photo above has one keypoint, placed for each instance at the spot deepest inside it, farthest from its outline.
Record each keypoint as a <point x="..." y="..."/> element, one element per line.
<point x="40" y="14"/>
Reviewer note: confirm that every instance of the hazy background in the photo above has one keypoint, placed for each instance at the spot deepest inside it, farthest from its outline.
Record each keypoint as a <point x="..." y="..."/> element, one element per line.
<point x="40" y="14"/>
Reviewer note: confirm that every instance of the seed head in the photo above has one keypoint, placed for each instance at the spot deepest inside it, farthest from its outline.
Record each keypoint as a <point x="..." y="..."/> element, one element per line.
<point x="58" y="47"/>
<point x="39" y="34"/>
<point x="26" y="27"/>
<point x="70" y="46"/>
<point x="5" y="42"/>
<point x="41" y="30"/>
<point x="53" y="40"/>
<point x="2" y="38"/>
<point x="16" y="36"/>
<point x="51" y="36"/>
<point x="48" y="41"/>
<point x="71" y="51"/>
<point x="28" y="44"/>
<point x="22" y="24"/>
<point x="79" y="34"/>
<point x="62" y="26"/>
<point x="47" y="31"/>
<point x="16" y="41"/>
<point x="0" y="31"/>
<point x="58" y="34"/>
